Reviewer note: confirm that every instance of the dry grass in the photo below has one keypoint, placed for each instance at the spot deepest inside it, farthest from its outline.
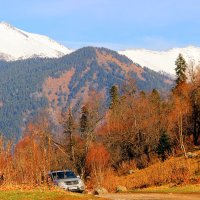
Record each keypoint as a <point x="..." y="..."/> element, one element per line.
<point x="174" y="171"/>
<point x="168" y="189"/>
<point x="125" y="167"/>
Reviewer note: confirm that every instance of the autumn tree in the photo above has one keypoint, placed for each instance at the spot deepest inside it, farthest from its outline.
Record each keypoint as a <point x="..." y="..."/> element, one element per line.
<point x="97" y="162"/>
<point x="54" y="155"/>
<point x="181" y="113"/>
<point x="195" y="104"/>
<point x="129" y="87"/>
<point x="192" y="72"/>
<point x="195" y="98"/>
<point x="134" y="132"/>
<point x="6" y="160"/>
<point x="92" y="113"/>
<point x="181" y="99"/>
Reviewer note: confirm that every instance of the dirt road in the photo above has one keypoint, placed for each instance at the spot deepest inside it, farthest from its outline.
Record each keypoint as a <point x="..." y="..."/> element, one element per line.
<point x="151" y="196"/>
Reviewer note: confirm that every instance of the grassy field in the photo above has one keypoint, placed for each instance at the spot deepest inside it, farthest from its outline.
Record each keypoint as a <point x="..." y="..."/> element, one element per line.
<point x="39" y="194"/>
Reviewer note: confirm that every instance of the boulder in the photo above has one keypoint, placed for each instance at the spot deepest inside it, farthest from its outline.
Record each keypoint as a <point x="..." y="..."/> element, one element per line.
<point x="131" y="171"/>
<point x="191" y="155"/>
<point x="100" y="190"/>
<point x="121" y="188"/>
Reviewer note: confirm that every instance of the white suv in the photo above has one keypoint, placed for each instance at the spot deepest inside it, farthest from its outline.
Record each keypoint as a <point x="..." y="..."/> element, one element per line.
<point x="67" y="180"/>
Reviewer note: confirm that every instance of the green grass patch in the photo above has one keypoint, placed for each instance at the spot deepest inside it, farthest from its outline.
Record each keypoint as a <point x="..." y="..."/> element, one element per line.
<point x="43" y="195"/>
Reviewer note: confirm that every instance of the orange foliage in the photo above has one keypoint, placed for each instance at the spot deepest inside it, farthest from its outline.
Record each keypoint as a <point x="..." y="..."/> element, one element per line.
<point x="97" y="161"/>
<point x="97" y="156"/>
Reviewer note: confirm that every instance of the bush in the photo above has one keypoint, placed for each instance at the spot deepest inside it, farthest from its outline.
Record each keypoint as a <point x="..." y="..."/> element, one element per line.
<point x="97" y="161"/>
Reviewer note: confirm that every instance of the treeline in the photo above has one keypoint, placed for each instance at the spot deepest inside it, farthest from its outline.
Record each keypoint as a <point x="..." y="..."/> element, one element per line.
<point x="21" y="83"/>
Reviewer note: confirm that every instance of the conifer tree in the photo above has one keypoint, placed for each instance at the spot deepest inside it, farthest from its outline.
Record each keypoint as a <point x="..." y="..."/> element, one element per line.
<point x="180" y="94"/>
<point x="155" y="96"/>
<point x="142" y="94"/>
<point x="68" y="130"/>
<point x="180" y="69"/>
<point x="114" y="96"/>
<point x="164" y="146"/>
<point x="84" y="121"/>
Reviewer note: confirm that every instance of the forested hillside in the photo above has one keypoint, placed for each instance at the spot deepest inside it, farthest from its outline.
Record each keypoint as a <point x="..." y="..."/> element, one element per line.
<point x="29" y="85"/>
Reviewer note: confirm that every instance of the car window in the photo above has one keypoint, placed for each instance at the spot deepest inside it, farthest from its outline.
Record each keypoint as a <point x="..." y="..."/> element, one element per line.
<point x="54" y="176"/>
<point x="70" y="174"/>
<point x="63" y="175"/>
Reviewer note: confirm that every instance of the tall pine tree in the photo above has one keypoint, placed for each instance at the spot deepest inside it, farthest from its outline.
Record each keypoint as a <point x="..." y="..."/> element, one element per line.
<point x="164" y="147"/>
<point x="84" y="121"/>
<point x="180" y="69"/>
<point x="155" y="97"/>
<point x="68" y="130"/>
<point x="181" y="96"/>
<point x="114" y="96"/>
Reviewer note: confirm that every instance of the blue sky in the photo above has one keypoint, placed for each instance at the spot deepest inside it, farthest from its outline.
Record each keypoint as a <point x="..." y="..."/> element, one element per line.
<point x="116" y="24"/>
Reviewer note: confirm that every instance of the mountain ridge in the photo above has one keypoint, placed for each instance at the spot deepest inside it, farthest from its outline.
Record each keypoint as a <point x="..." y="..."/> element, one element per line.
<point x="163" y="60"/>
<point x="18" y="44"/>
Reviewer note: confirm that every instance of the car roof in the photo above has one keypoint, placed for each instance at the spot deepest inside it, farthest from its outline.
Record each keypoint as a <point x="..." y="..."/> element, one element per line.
<point x="67" y="170"/>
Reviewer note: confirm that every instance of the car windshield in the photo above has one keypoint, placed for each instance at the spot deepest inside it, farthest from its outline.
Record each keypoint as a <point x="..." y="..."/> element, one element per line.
<point x="70" y="174"/>
<point x="63" y="175"/>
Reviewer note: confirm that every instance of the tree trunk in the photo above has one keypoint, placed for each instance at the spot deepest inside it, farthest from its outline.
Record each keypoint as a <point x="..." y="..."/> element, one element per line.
<point x="72" y="149"/>
<point x="181" y="134"/>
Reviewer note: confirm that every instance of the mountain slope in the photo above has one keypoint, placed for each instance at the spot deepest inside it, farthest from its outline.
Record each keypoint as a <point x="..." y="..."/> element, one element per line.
<point x="17" y="44"/>
<point x="33" y="84"/>
<point x="162" y="60"/>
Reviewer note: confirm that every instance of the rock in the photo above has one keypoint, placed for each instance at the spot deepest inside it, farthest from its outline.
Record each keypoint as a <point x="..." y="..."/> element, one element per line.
<point x="100" y="190"/>
<point x="131" y="171"/>
<point x="121" y="189"/>
<point x="172" y="185"/>
<point x="88" y="178"/>
<point x="191" y="155"/>
<point x="87" y="191"/>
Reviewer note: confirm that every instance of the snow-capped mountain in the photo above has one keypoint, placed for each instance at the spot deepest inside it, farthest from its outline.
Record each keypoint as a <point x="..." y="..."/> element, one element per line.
<point x="163" y="60"/>
<point x="17" y="44"/>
